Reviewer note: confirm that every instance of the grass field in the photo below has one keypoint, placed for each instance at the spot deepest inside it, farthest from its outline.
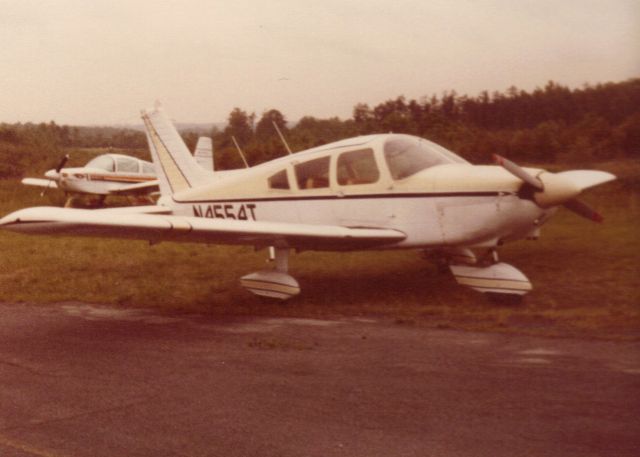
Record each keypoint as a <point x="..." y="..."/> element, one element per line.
<point x="585" y="275"/>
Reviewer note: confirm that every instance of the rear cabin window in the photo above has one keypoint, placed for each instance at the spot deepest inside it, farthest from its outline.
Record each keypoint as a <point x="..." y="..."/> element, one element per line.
<point x="279" y="181"/>
<point x="127" y="165"/>
<point x="147" y="168"/>
<point x="357" y="167"/>
<point x="313" y="174"/>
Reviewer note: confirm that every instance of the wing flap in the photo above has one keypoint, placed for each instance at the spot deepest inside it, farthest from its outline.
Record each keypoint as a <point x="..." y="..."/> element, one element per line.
<point x="158" y="227"/>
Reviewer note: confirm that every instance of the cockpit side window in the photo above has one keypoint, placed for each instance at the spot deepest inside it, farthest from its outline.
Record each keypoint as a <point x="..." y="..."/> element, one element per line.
<point x="313" y="174"/>
<point x="357" y="167"/>
<point x="279" y="181"/>
<point x="127" y="165"/>
<point x="102" y="162"/>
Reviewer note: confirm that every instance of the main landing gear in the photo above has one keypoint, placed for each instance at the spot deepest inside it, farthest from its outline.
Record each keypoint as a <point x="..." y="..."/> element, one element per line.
<point x="500" y="282"/>
<point x="273" y="283"/>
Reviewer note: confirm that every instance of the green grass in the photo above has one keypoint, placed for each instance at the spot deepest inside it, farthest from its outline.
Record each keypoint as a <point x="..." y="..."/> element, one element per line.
<point x="584" y="275"/>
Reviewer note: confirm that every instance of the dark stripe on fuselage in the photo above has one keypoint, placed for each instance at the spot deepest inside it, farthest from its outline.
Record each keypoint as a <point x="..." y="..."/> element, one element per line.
<point x="123" y="179"/>
<point x="348" y="197"/>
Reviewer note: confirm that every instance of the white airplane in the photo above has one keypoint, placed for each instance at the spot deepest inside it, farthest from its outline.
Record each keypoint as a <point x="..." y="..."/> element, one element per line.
<point x="384" y="191"/>
<point x="106" y="174"/>
<point x="112" y="174"/>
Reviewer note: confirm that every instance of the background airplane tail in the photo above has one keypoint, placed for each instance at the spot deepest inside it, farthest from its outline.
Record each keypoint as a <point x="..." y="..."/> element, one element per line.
<point x="176" y="168"/>
<point x="204" y="153"/>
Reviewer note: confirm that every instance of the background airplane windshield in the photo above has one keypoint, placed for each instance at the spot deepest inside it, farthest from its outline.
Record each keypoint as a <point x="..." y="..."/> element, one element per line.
<point x="102" y="162"/>
<point x="407" y="155"/>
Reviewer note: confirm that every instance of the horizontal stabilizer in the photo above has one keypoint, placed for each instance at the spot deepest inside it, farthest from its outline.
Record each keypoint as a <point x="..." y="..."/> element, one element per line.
<point x="156" y="228"/>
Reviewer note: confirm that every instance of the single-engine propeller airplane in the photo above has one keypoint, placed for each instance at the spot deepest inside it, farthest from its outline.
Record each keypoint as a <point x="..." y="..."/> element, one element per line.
<point x="388" y="191"/>
<point x="106" y="174"/>
<point x="112" y="174"/>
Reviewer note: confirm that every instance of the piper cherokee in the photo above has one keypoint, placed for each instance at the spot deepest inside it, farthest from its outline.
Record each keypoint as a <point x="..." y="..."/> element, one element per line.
<point x="374" y="192"/>
<point x="112" y="174"/>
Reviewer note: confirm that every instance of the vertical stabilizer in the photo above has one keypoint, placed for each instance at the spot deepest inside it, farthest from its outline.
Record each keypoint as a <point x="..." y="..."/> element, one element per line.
<point x="204" y="153"/>
<point x="176" y="168"/>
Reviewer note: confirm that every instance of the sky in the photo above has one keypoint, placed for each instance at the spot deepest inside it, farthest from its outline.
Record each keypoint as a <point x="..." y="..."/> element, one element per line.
<point x="88" y="62"/>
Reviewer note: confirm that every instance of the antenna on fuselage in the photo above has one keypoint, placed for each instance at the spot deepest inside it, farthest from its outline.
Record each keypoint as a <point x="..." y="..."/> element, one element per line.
<point x="246" y="164"/>
<point x="286" y="145"/>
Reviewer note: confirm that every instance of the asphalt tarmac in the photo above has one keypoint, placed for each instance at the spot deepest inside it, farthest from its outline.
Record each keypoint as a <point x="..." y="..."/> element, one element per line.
<point x="81" y="380"/>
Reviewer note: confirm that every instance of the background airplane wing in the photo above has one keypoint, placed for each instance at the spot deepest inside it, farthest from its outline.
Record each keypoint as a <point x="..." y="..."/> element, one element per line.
<point x="136" y="189"/>
<point x="159" y="227"/>
<point x="40" y="182"/>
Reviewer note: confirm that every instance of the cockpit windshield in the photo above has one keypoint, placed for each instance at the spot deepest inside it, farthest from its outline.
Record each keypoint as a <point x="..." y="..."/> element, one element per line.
<point x="103" y="162"/>
<point x="407" y="155"/>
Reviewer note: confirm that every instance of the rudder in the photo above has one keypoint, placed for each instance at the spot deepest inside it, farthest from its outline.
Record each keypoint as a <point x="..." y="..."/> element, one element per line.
<point x="176" y="168"/>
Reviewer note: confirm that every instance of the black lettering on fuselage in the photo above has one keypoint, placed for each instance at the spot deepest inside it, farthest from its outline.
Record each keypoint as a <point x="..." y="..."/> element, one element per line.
<point x="239" y="211"/>
<point x="228" y="212"/>
<point x="251" y="207"/>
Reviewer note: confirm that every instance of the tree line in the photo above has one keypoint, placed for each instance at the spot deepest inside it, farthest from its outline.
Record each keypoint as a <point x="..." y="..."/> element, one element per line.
<point x="549" y="124"/>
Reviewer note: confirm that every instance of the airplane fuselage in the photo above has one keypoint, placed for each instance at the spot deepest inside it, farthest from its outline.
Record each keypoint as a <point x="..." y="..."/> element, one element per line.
<point x="452" y="203"/>
<point x="95" y="181"/>
<point x="428" y="220"/>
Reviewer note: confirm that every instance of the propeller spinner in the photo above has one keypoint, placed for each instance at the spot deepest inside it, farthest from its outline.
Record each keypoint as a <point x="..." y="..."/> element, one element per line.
<point x="552" y="189"/>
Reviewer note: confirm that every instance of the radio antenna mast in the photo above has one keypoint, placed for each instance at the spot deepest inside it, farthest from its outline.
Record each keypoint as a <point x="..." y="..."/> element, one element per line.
<point x="286" y="145"/>
<point x="246" y="164"/>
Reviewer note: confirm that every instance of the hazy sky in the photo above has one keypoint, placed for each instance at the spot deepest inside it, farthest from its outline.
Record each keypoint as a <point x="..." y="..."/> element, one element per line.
<point x="100" y="62"/>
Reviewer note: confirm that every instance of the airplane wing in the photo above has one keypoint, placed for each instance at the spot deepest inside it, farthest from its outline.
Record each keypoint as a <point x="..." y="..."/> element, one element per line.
<point x="40" y="182"/>
<point x="157" y="227"/>
<point x="141" y="188"/>
<point x="142" y="209"/>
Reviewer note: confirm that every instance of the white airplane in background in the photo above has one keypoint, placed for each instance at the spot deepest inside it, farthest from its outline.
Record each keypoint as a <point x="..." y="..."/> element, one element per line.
<point x="386" y="191"/>
<point x="112" y="174"/>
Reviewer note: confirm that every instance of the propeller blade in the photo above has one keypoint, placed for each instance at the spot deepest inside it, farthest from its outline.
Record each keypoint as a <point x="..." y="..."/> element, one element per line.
<point x="57" y="177"/>
<point x="582" y="209"/>
<point x="62" y="163"/>
<point x="518" y="171"/>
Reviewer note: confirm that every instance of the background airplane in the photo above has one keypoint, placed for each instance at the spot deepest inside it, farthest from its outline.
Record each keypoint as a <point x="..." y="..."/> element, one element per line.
<point x="112" y="174"/>
<point x="384" y="191"/>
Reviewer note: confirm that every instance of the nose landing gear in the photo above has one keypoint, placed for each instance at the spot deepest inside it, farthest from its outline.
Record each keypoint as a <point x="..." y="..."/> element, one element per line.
<point x="500" y="282"/>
